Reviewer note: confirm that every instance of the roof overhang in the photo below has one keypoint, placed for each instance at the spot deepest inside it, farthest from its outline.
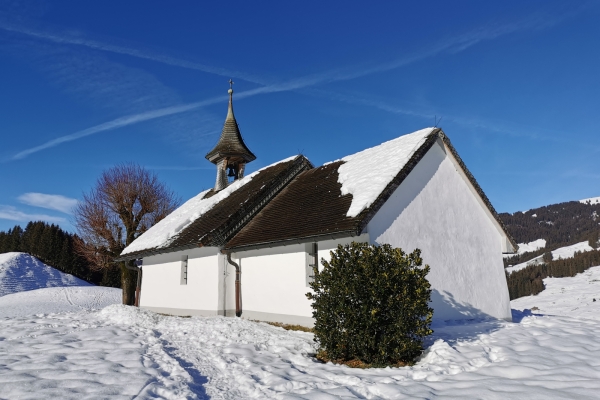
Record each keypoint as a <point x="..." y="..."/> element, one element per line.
<point x="153" y="252"/>
<point x="289" y="242"/>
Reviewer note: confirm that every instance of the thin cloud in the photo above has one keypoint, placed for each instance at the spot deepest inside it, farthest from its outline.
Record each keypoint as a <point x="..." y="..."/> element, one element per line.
<point x="11" y="213"/>
<point x="141" y="117"/>
<point x="455" y="44"/>
<point x="49" y="201"/>
<point x="70" y="39"/>
<point x="471" y="122"/>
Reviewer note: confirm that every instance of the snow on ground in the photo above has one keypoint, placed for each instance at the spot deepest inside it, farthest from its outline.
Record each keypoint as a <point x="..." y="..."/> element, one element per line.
<point x="577" y="296"/>
<point x="531" y="246"/>
<point x="561" y="252"/>
<point x="58" y="299"/>
<point x="21" y="271"/>
<point x="125" y="352"/>
<point x="365" y="174"/>
<point x="592" y="200"/>
<point x="165" y="231"/>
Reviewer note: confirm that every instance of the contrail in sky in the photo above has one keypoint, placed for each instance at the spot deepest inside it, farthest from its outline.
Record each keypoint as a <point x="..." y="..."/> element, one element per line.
<point x="145" y="116"/>
<point x="130" y="51"/>
<point x="452" y="45"/>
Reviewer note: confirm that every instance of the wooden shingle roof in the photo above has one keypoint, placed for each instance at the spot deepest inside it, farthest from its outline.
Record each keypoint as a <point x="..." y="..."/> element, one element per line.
<point x="221" y="222"/>
<point x="312" y="206"/>
<point x="230" y="142"/>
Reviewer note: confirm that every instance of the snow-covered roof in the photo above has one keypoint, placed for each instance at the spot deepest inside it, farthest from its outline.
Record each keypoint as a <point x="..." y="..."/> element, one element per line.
<point x="367" y="173"/>
<point x="189" y="224"/>
<point x="342" y="196"/>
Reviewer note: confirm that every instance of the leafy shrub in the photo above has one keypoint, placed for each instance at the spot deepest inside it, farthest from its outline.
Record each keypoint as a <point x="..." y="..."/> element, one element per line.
<point x="371" y="304"/>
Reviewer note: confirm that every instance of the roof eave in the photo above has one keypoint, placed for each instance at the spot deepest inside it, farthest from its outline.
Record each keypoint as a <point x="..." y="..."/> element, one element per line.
<point x="153" y="252"/>
<point x="289" y="242"/>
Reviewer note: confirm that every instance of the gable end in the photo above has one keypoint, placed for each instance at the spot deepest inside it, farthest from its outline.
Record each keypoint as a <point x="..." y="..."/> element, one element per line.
<point x="365" y="216"/>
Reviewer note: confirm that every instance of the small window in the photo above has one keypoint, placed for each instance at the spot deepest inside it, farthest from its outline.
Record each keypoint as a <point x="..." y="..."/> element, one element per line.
<point x="184" y="270"/>
<point x="312" y="261"/>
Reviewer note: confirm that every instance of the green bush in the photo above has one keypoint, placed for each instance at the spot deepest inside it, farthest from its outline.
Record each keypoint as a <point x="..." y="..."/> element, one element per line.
<point x="371" y="304"/>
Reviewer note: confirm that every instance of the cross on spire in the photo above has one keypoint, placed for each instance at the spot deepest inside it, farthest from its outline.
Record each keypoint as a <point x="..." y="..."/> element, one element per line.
<point x="230" y="84"/>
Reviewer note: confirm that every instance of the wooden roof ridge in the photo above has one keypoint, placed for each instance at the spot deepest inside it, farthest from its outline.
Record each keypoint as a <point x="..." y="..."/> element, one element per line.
<point x="348" y="226"/>
<point x="230" y="142"/>
<point x="219" y="224"/>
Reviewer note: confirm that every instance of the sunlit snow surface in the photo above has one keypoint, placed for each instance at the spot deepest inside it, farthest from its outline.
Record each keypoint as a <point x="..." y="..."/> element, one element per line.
<point x="591" y="200"/>
<point x="365" y="174"/>
<point x="124" y="352"/>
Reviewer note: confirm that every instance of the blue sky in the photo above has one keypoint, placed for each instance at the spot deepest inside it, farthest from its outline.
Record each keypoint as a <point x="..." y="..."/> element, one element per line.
<point x="87" y="85"/>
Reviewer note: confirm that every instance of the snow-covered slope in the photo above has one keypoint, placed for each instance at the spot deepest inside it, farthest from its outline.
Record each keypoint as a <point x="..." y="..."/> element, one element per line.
<point x="561" y="252"/>
<point x="577" y="296"/>
<point x="591" y="200"/>
<point x="20" y="272"/>
<point x="531" y="246"/>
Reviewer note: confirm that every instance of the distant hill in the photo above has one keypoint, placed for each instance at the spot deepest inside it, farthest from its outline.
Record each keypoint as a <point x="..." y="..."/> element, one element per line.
<point x="559" y="224"/>
<point x="21" y="272"/>
<point x="557" y="240"/>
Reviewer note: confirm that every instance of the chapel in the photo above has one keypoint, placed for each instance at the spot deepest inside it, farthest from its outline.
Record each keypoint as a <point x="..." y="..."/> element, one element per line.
<point x="248" y="246"/>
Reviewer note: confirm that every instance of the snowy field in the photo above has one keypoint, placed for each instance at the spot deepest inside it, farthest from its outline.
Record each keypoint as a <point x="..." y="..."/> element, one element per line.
<point x="76" y="343"/>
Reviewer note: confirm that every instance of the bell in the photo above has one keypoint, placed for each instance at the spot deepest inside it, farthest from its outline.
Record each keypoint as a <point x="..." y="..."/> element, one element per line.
<point x="231" y="171"/>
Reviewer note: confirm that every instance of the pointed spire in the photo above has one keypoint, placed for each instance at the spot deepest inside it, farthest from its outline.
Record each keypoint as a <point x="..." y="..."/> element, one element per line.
<point x="230" y="144"/>
<point x="230" y="107"/>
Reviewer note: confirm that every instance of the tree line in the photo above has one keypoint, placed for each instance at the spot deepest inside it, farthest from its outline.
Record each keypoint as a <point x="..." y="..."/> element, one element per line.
<point x="529" y="280"/>
<point x="56" y="248"/>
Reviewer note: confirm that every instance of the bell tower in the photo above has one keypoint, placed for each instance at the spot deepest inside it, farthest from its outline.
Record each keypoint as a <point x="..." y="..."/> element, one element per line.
<point x="230" y="154"/>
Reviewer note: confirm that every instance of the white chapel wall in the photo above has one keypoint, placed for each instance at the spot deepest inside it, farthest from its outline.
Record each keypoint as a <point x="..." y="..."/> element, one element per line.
<point x="162" y="290"/>
<point x="274" y="281"/>
<point x="435" y="210"/>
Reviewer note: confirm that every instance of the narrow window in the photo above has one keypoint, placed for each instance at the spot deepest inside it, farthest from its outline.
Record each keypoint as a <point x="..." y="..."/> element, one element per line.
<point x="184" y="270"/>
<point x="312" y="261"/>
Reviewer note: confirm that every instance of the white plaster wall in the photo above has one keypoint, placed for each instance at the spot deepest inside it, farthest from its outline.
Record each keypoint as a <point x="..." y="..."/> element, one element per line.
<point x="162" y="288"/>
<point x="274" y="279"/>
<point x="436" y="211"/>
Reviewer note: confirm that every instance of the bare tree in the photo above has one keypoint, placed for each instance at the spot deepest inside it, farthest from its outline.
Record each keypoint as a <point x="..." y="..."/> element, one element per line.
<point x="126" y="201"/>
